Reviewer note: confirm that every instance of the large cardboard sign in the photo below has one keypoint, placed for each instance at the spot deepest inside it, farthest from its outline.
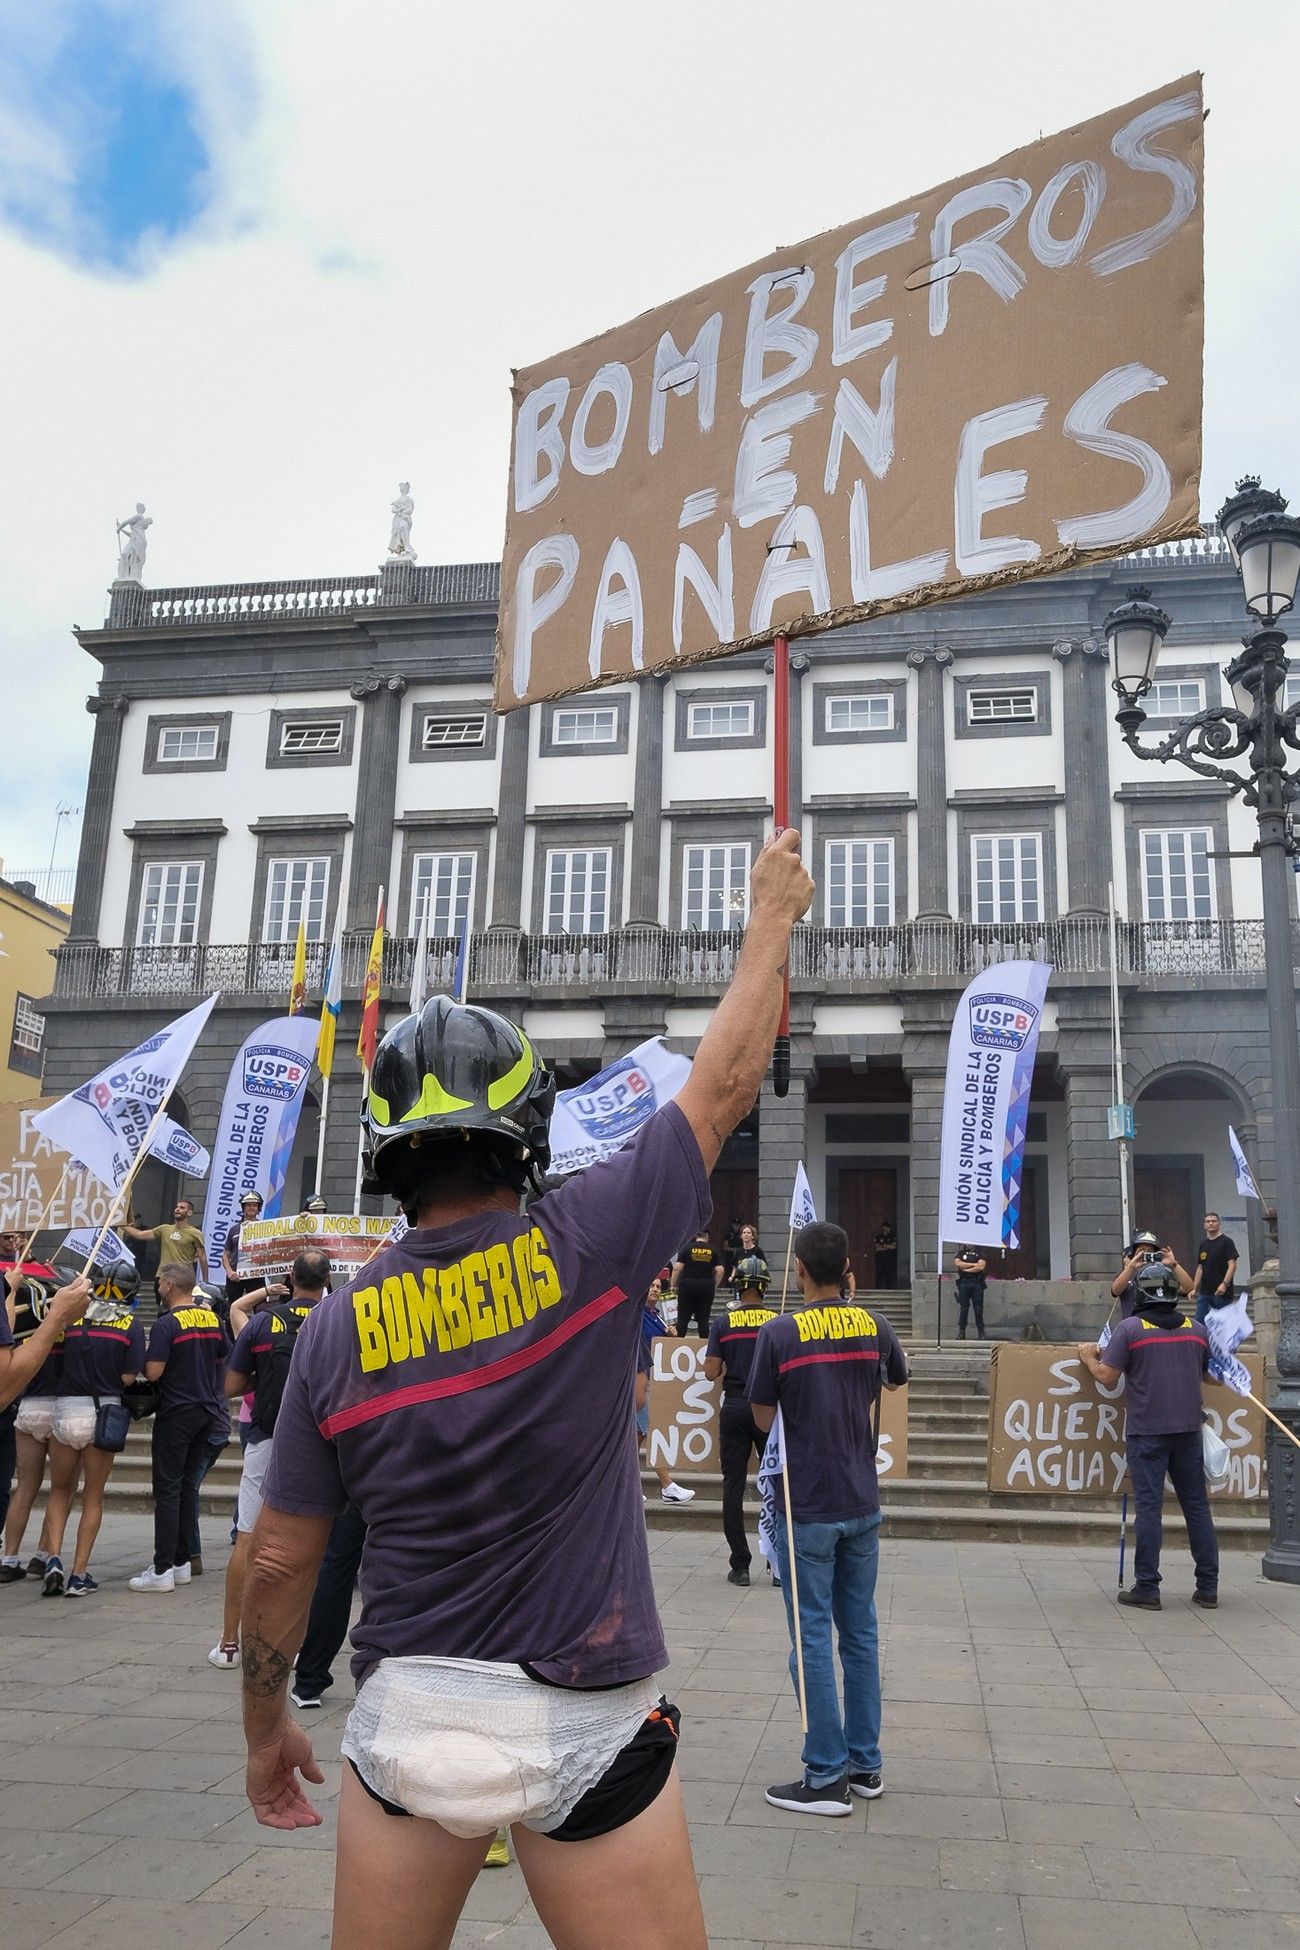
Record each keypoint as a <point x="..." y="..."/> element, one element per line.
<point x="30" y="1169"/>
<point x="684" y="1414"/>
<point x="268" y="1247"/>
<point x="998" y="379"/>
<point x="1053" y="1428"/>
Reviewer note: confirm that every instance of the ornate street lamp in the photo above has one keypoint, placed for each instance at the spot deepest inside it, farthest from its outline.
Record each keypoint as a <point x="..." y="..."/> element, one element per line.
<point x="1265" y="544"/>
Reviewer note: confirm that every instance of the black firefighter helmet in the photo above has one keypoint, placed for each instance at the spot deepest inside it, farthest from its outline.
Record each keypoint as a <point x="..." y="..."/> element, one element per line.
<point x="454" y="1071"/>
<point x="1156" y="1285"/>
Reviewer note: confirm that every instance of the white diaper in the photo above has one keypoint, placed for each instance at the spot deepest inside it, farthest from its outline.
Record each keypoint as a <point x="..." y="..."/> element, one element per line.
<point x="476" y="1746"/>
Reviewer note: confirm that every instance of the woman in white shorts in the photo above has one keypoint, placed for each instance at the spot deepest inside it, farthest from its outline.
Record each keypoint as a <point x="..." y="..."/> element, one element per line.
<point x="32" y="1424"/>
<point x="100" y="1354"/>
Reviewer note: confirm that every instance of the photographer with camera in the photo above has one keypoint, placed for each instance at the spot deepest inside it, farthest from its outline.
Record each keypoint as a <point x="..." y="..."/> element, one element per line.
<point x="1146" y="1250"/>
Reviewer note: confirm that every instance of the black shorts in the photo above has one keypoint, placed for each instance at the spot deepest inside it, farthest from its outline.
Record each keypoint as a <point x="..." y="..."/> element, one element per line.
<point x="634" y="1778"/>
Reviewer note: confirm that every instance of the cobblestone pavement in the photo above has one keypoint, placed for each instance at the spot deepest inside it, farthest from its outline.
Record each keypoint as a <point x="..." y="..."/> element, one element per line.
<point x="1059" y="1773"/>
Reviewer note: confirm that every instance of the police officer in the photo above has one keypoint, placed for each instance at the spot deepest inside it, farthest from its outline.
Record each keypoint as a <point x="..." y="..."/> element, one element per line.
<point x="731" y="1349"/>
<point x="1166" y="1358"/>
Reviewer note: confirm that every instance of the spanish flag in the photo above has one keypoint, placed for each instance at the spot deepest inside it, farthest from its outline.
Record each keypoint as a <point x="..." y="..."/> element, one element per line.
<point x="369" y="1037"/>
<point x="298" y="983"/>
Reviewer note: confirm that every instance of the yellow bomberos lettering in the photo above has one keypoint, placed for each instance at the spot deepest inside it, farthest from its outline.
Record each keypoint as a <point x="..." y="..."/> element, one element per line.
<point x="546" y="1281"/>
<point x="482" y="1320"/>
<point x="195" y="1317"/>
<point x="427" y="1323"/>
<point x="524" y="1274"/>
<point x="505" y="1300"/>
<point x="833" y="1323"/>
<point x="451" y="1287"/>
<point x="395" y="1321"/>
<point x="751" y="1316"/>
<point x="370" y="1334"/>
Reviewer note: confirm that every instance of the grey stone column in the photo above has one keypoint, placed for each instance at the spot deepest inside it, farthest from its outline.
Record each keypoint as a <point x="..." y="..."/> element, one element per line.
<point x="512" y="809"/>
<point x="782" y="1145"/>
<point x="105" y="750"/>
<point x="931" y="782"/>
<point x="380" y="699"/>
<point x="927" y="1025"/>
<point x="647" y="804"/>
<point x="1083" y="1049"/>
<point x="1084" y="730"/>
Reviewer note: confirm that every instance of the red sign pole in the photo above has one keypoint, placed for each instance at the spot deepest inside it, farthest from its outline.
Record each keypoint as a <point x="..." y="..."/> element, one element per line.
<point x="780" y="820"/>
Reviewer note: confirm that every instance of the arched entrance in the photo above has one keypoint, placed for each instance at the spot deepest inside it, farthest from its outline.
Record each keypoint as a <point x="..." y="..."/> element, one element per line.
<point x="1182" y="1161"/>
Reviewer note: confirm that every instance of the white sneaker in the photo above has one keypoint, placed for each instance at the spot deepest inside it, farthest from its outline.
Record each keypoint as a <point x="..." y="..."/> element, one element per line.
<point x="181" y="1574"/>
<point x="674" y="1493"/>
<point x="151" y="1580"/>
<point x="224" y="1656"/>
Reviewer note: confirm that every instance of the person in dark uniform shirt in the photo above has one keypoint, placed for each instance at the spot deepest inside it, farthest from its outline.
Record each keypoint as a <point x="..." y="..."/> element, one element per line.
<point x="696" y="1275"/>
<point x="1166" y="1359"/>
<point x="1216" y="1268"/>
<point x="972" y="1274"/>
<point x="886" y="1255"/>
<point x="732" y="1337"/>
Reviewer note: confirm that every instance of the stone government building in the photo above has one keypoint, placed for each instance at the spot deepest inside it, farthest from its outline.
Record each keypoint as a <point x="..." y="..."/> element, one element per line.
<point x="267" y="750"/>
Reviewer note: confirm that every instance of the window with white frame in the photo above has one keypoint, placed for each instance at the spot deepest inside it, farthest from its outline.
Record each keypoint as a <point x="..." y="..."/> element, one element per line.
<point x="585" y="724"/>
<point x="444" y="730"/>
<point x="28" y="1041"/>
<point x="577" y="889"/>
<point x="721" y="718"/>
<point x="310" y="737"/>
<point x="1177" y="884"/>
<point x="170" y="892"/>
<point x="1291" y="690"/>
<point x="180" y="744"/>
<point x="1006" y="872"/>
<point x="1175" y="697"/>
<point x="296" y="890"/>
<point x="442" y="883"/>
<point x="1002" y="706"/>
<point x="859" y="883"/>
<point x="852" y="713"/>
<point x="715" y="886"/>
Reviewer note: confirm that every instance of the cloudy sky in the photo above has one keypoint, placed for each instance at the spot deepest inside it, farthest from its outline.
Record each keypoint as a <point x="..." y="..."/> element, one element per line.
<point x="261" y="259"/>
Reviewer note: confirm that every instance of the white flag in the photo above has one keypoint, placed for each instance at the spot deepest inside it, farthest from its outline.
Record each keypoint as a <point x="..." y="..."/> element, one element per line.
<point x="102" y="1124"/>
<point x="177" y="1148"/>
<point x="1245" y="1176"/>
<point x="596" y="1119"/>
<point x="802" y="1210"/>
<point x="1227" y="1328"/>
<point x="80" y="1242"/>
<point x="772" y="1466"/>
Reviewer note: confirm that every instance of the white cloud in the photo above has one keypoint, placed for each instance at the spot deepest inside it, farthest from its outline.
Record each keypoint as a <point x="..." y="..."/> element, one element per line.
<point x="410" y="199"/>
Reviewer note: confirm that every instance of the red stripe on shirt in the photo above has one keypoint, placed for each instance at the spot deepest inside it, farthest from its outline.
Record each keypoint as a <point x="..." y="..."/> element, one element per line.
<point x="740" y="1334"/>
<point x="461" y="1384"/>
<point x="810" y="1360"/>
<point x="197" y="1334"/>
<point x="1166" y="1340"/>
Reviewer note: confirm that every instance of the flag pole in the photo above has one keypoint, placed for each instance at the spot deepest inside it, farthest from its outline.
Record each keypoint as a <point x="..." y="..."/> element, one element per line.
<point x="791" y="1556"/>
<point x="780" y="820"/>
<point x="1123" y="1536"/>
<point x="45" y="1215"/>
<point x="1277" y="1423"/>
<point x="119" y="1196"/>
<point x="785" y="1277"/>
<point x="321" y="1123"/>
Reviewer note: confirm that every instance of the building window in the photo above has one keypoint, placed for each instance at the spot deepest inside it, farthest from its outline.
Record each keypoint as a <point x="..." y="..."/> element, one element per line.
<point x="577" y="890"/>
<point x="444" y="884"/>
<point x="28" y="1042"/>
<point x="1291" y="691"/>
<point x="851" y="713"/>
<point x="729" y="718"/>
<point x="859" y="883"/>
<point x="1177" y="884"/>
<point x="296" y="890"/>
<point x="715" y="886"/>
<point x="1006" y="877"/>
<point x="1002" y="706"/>
<point x="310" y="737"/>
<point x="169" y="904"/>
<point x="182" y="744"/>
<point x="445" y="729"/>
<point x="585" y="724"/>
<point x="1175" y="697"/>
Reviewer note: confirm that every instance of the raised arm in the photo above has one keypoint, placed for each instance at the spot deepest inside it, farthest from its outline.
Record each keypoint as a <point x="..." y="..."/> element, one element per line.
<point x="19" y="1365"/>
<point x="737" y="1045"/>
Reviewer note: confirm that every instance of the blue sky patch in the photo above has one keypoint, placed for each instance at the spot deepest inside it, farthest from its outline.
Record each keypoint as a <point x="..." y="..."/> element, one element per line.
<point x="129" y="134"/>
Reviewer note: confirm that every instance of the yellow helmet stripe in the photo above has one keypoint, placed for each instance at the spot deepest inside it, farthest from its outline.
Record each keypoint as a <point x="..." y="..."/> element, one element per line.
<point x="509" y="1086"/>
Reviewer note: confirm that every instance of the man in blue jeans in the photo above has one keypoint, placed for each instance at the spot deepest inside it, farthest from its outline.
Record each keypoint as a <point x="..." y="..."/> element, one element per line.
<point x="1166" y="1358"/>
<point x="823" y="1366"/>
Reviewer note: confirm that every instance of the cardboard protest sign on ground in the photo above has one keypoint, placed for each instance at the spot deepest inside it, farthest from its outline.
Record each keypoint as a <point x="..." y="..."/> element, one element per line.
<point x="684" y="1414"/>
<point x="1053" y="1428"/>
<point x="30" y="1169"/>
<point x="268" y="1247"/>
<point x="1000" y="378"/>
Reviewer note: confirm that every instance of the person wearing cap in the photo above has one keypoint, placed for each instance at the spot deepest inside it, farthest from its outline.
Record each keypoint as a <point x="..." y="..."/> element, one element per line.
<point x="1146" y="1250"/>
<point x="732" y="1336"/>
<point x="471" y="1391"/>
<point x="1165" y="1359"/>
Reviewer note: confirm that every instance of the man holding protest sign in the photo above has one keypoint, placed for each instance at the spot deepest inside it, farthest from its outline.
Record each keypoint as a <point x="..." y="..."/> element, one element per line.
<point x="508" y="1611"/>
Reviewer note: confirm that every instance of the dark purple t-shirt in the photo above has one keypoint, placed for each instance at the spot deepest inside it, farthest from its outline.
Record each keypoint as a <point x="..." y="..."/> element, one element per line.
<point x="191" y="1341"/>
<point x="471" y="1391"/>
<point x="255" y="1340"/>
<point x="1162" y="1367"/>
<point x="823" y="1366"/>
<point x="732" y="1339"/>
<point x="96" y="1354"/>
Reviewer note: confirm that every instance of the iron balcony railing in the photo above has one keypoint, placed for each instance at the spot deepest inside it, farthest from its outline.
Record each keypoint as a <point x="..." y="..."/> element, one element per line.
<point x="658" y="960"/>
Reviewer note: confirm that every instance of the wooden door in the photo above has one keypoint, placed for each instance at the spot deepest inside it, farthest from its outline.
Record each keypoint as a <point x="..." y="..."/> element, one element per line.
<point x="865" y="1196"/>
<point x="735" y="1196"/>
<point x="1162" y="1203"/>
<point x="1022" y="1264"/>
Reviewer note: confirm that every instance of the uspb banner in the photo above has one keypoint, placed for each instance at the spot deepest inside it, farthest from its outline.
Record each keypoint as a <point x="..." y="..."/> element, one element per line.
<point x="986" y="1104"/>
<point x="598" y="1118"/>
<point x="259" y="1117"/>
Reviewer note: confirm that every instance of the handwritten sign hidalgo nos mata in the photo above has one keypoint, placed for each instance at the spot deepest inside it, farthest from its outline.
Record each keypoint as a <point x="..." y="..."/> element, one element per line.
<point x="997" y="380"/>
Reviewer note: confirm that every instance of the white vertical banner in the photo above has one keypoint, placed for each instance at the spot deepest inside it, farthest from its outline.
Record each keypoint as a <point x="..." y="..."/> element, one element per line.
<point x="802" y="1210"/>
<point x="259" y="1115"/>
<point x="986" y="1104"/>
<point x="1241" y="1170"/>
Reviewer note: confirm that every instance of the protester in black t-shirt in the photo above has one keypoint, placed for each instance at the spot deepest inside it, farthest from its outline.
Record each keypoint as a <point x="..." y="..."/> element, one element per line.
<point x="972" y="1273"/>
<point x="886" y="1254"/>
<point x="732" y="1339"/>
<point x="186" y="1348"/>
<point x="250" y="1208"/>
<point x="695" y="1282"/>
<point x="1216" y="1266"/>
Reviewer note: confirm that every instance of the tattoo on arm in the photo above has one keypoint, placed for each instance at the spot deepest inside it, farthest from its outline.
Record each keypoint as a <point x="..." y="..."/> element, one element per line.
<point x="265" y="1667"/>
